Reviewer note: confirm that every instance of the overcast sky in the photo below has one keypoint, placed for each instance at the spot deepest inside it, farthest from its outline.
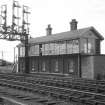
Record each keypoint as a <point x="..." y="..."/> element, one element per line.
<point x="58" y="13"/>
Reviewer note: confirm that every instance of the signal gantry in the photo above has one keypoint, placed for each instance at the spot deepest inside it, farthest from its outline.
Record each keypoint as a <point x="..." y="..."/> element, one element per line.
<point x="16" y="30"/>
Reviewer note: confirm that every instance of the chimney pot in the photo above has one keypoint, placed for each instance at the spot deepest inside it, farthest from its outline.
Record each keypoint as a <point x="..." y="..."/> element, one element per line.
<point x="73" y="24"/>
<point x="49" y="30"/>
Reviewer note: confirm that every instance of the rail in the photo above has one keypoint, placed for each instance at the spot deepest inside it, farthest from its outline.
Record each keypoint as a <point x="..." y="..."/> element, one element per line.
<point x="80" y="91"/>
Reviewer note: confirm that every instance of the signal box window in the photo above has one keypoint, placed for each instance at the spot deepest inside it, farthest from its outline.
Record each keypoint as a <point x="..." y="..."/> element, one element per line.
<point x="84" y="45"/>
<point x="91" y="46"/>
<point x="40" y="49"/>
<point x="69" y="47"/>
<point x="88" y="46"/>
<point x="75" y="46"/>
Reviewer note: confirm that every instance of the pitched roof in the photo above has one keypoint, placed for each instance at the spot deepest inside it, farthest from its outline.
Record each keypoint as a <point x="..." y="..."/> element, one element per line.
<point x="66" y="35"/>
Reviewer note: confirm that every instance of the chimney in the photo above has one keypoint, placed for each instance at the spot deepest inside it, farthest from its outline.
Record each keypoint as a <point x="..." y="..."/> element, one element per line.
<point x="73" y="24"/>
<point x="49" y="30"/>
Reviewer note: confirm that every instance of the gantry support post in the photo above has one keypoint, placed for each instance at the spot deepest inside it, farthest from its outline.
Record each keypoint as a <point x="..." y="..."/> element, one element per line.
<point x="25" y="30"/>
<point x="26" y="55"/>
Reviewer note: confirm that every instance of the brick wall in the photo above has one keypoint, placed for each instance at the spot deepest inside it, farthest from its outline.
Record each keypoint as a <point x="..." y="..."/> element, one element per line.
<point x="99" y="66"/>
<point x="87" y="67"/>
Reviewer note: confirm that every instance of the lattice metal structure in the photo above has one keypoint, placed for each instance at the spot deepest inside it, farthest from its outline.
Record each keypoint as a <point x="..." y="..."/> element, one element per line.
<point x="25" y="24"/>
<point x="14" y="31"/>
<point x="4" y="16"/>
<point x="3" y="25"/>
<point x="15" y="21"/>
<point x="25" y="19"/>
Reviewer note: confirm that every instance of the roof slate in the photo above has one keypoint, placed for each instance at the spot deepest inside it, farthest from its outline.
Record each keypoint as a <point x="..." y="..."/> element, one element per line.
<point x="65" y="35"/>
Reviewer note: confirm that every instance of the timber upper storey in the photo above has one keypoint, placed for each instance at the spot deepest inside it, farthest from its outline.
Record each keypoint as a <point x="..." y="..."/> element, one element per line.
<point x="84" y="41"/>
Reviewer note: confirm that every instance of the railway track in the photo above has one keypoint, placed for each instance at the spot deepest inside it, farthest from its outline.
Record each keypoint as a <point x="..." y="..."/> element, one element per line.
<point x="66" y="94"/>
<point x="26" y="98"/>
<point x="69" y="83"/>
